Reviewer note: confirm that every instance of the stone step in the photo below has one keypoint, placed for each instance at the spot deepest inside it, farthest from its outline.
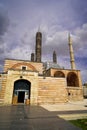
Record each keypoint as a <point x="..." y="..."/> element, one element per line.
<point x="1" y="101"/>
<point x="73" y="116"/>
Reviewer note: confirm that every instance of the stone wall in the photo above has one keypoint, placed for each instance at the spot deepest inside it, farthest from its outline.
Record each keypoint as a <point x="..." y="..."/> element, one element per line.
<point x="13" y="76"/>
<point x="44" y="90"/>
<point x="17" y="64"/>
<point x="3" y="79"/>
<point x="75" y="94"/>
<point x="52" y="90"/>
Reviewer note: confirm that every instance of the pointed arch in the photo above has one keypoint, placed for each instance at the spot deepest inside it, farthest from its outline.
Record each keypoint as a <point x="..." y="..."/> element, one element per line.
<point x="24" y="64"/>
<point x="72" y="80"/>
<point x="22" y="91"/>
<point x="59" y="74"/>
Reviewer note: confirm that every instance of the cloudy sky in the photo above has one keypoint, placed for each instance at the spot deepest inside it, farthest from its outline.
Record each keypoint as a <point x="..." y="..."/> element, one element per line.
<point x="21" y="19"/>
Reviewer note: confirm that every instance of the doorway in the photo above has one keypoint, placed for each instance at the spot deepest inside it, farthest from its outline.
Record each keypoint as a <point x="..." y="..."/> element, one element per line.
<point x="21" y="92"/>
<point x="21" y="96"/>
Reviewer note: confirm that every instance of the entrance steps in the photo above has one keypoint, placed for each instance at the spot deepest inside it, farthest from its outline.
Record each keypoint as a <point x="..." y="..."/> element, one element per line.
<point x="1" y="101"/>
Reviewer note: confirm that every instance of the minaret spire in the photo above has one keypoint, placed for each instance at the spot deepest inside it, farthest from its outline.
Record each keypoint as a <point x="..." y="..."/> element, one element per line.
<point x="39" y="28"/>
<point x="54" y="57"/>
<point x="38" y="48"/>
<point x="32" y="57"/>
<point x="72" y="60"/>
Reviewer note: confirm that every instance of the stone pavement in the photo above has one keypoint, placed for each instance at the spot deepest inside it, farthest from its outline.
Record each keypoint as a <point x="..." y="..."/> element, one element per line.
<point x="33" y="118"/>
<point x="69" y="106"/>
<point x="70" y="110"/>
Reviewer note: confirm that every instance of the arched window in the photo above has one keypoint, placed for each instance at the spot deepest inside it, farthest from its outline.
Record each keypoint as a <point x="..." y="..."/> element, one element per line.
<point x="72" y="80"/>
<point x="59" y="74"/>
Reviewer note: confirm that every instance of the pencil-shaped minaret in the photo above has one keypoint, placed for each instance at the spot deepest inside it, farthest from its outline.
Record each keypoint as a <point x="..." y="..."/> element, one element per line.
<point x="32" y="57"/>
<point x="72" y="60"/>
<point x="38" y="46"/>
<point x="54" y="57"/>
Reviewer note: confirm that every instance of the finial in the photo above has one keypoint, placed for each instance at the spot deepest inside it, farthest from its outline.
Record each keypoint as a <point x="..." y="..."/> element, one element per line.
<point x="69" y="35"/>
<point x="39" y="28"/>
<point x="69" y="38"/>
<point x="54" y="57"/>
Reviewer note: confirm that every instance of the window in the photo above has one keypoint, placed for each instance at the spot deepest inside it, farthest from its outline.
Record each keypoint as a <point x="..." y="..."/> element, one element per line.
<point x="24" y="67"/>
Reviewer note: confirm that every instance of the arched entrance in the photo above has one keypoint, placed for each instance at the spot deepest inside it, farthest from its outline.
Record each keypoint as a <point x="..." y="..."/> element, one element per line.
<point x="22" y="91"/>
<point x="72" y="80"/>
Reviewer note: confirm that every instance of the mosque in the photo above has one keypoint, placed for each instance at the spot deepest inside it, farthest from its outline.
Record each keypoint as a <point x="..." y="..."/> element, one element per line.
<point x="35" y="82"/>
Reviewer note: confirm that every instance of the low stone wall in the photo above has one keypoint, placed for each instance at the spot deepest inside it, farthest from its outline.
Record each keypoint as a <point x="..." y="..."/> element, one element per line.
<point x="75" y="93"/>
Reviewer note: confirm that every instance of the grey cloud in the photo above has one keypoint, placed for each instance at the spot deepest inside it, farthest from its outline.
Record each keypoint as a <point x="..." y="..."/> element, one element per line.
<point x="4" y="22"/>
<point x="57" y="42"/>
<point x="80" y="40"/>
<point x="1" y="51"/>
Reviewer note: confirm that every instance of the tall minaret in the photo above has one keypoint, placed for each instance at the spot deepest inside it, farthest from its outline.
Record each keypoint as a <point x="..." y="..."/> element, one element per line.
<point x="54" y="57"/>
<point x="38" y="48"/>
<point x="32" y="57"/>
<point x="72" y="60"/>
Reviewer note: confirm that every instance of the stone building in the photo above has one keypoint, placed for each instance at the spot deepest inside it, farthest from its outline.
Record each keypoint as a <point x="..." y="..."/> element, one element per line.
<point x="35" y="82"/>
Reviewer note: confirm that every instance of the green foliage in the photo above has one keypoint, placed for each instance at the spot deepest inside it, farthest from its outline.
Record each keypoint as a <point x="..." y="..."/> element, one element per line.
<point x="82" y="123"/>
<point x="85" y="84"/>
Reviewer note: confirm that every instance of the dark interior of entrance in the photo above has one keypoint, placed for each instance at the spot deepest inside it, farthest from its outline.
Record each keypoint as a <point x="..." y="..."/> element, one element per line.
<point x="21" y="96"/>
<point x="22" y="91"/>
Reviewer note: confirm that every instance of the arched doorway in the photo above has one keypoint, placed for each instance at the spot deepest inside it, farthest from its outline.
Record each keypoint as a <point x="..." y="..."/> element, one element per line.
<point x="22" y="91"/>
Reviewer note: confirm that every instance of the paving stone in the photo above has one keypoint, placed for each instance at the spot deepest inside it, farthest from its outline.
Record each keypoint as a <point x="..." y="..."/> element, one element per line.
<point x="32" y="118"/>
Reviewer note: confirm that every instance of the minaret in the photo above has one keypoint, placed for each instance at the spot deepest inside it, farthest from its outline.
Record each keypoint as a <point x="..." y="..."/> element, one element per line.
<point x="38" y="47"/>
<point x="32" y="57"/>
<point x="72" y="60"/>
<point x="54" y="57"/>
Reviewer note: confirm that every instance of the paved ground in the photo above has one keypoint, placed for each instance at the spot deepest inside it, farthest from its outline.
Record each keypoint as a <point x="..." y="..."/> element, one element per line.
<point x="70" y="106"/>
<point x="70" y="110"/>
<point x="34" y="118"/>
<point x="46" y="117"/>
